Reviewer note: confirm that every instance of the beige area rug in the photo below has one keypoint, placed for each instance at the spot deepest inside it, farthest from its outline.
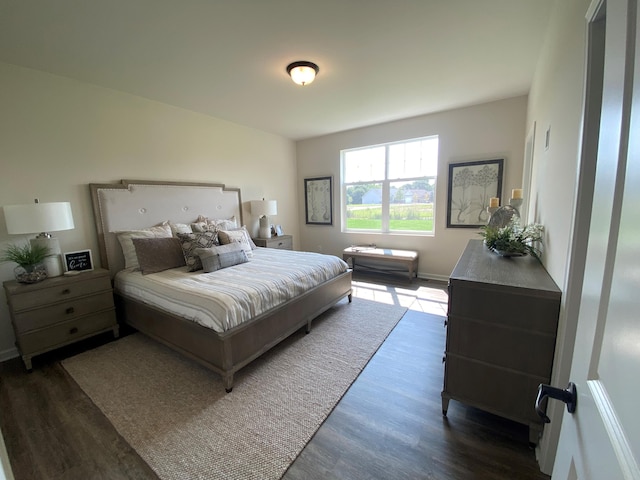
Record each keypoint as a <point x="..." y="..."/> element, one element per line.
<point x="177" y="416"/>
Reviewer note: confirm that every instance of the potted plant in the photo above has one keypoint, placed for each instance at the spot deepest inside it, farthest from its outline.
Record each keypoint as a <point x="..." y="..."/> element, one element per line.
<point x="30" y="260"/>
<point x="513" y="240"/>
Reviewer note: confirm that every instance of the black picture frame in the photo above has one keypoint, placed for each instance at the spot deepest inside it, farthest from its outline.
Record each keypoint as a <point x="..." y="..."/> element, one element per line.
<point x="318" y="200"/>
<point x="470" y="186"/>
<point x="80" y="261"/>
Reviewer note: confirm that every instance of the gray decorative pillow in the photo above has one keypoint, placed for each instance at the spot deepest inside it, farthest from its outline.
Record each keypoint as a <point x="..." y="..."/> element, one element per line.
<point x="191" y="241"/>
<point x="128" y="250"/>
<point x="222" y="256"/>
<point x="158" y="254"/>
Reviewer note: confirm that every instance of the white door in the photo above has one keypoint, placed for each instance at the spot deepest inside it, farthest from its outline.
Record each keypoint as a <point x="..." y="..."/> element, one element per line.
<point x="602" y="439"/>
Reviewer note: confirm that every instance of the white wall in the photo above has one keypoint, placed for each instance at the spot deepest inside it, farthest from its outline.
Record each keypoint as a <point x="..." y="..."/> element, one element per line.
<point x="482" y="132"/>
<point x="555" y="101"/>
<point x="58" y="135"/>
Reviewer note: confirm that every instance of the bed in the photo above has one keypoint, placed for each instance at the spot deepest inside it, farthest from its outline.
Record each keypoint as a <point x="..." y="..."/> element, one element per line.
<point x="132" y="205"/>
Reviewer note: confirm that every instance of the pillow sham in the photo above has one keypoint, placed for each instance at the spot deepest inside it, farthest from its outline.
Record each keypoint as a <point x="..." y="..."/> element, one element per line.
<point x="126" y="241"/>
<point x="221" y="256"/>
<point x="158" y="254"/>
<point x="219" y="223"/>
<point x="191" y="241"/>
<point x="177" y="228"/>
<point x="240" y="235"/>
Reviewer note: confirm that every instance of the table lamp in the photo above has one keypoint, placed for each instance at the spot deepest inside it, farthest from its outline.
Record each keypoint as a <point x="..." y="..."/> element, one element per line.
<point x="44" y="218"/>
<point x="263" y="208"/>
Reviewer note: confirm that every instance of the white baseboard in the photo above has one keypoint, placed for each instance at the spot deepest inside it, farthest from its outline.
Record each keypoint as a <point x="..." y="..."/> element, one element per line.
<point x="8" y="354"/>
<point x="431" y="276"/>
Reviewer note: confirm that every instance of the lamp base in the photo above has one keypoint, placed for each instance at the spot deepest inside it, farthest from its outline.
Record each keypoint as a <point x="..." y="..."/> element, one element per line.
<point x="265" y="228"/>
<point x="265" y="232"/>
<point x="53" y="262"/>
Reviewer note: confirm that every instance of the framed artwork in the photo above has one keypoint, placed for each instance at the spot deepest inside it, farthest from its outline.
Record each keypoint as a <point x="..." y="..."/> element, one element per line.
<point x="318" y="206"/>
<point x="471" y="185"/>
<point x="78" y="261"/>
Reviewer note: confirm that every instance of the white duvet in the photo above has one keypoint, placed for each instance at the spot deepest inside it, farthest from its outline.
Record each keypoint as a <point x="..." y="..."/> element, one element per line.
<point x="225" y="298"/>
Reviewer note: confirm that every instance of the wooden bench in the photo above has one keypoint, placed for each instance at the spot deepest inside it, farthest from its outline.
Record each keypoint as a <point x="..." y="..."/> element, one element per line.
<point x="406" y="258"/>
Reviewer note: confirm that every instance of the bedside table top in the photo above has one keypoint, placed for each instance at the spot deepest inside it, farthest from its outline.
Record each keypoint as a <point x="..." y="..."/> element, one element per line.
<point x="274" y="237"/>
<point x="12" y="286"/>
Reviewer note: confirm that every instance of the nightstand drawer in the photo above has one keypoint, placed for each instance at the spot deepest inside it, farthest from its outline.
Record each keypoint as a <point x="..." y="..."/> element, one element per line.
<point x="57" y="292"/>
<point x="28" y="320"/>
<point x="281" y="243"/>
<point x="66" y="332"/>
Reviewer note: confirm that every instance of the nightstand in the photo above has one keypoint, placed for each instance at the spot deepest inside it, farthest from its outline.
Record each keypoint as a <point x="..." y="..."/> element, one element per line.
<point x="59" y="311"/>
<point x="283" y="242"/>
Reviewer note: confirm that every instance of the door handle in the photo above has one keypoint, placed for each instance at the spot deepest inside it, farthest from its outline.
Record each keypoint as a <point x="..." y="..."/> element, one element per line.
<point x="569" y="396"/>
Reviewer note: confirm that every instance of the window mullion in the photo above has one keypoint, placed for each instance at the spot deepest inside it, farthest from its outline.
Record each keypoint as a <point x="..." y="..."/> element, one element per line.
<point x="386" y="192"/>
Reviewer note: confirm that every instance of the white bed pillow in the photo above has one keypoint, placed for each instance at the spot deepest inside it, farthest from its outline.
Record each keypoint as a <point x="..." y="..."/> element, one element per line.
<point x="177" y="228"/>
<point x="218" y="223"/>
<point x="126" y="241"/>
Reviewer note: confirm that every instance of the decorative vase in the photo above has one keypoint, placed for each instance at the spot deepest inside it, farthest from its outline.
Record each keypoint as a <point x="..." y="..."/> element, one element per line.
<point x="508" y="253"/>
<point x="30" y="273"/>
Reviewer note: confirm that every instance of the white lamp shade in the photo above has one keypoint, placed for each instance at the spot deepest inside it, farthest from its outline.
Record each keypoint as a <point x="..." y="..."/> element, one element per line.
<point x="264" y="207"/>
<point x="38" y="217"/>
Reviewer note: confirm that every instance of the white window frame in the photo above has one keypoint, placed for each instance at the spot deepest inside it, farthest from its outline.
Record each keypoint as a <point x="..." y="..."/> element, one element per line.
<point x="386" y="190"/>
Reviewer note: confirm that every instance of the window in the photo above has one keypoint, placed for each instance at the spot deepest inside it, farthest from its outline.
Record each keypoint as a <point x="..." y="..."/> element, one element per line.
<point x="390" y="188"/>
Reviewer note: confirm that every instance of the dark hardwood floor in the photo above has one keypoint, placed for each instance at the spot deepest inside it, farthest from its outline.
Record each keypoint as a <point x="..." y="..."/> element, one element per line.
<point x="388" y="425"/>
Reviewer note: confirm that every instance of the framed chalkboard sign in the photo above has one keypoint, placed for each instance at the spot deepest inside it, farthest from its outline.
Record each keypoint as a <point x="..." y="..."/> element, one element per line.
<point x="78" y="261"/>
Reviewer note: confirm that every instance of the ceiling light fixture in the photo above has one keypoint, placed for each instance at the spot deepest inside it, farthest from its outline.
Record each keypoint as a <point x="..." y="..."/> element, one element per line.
<point x="302" y="73"/>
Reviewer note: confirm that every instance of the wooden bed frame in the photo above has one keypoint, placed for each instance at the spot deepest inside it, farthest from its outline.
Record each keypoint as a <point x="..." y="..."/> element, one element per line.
<point x="134" y="204"/>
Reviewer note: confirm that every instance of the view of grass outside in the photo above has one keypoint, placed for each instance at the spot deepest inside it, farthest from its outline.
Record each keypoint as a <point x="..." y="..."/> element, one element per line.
<point x="417" y="217"/>
<point x="390" y="188"/>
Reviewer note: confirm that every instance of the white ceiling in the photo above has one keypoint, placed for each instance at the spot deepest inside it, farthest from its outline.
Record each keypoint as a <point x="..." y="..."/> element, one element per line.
<point x="380" y="60"/>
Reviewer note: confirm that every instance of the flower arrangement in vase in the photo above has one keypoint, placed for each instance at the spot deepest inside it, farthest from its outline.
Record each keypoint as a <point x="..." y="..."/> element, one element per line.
<point x="513" y="240"/>
<point x="29" y="258"/>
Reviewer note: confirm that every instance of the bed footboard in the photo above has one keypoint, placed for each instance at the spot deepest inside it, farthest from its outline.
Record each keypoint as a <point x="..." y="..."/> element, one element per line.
<point x="227" y="352"/>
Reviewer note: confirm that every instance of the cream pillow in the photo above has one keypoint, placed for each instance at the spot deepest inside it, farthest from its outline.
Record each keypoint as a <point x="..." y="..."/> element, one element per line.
<point x="177" y="228"/>
<point x="126" y="241"/>
<point x="219" y="223"/>
<point x="241" y="236"/>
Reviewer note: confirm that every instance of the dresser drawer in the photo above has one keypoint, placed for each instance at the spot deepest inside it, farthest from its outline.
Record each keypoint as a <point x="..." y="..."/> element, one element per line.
<point x="527" y="352"/>
<point x="494" y="389"/>
<point x="516" y="308"/>
<point x="65" y="332"/>
<point x="28" y="320"/>
<point x="58" y="292"/>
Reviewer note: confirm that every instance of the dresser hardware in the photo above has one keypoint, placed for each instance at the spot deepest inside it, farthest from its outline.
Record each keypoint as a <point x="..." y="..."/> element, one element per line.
<point x="66" y="291"/>
<point x="69" y="310"/>
<point x="73" y="330"/>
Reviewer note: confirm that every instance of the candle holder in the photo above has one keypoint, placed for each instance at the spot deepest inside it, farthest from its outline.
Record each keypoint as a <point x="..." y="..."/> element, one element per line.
<point x="516" y="203"/>
<point x="492" y="210"/>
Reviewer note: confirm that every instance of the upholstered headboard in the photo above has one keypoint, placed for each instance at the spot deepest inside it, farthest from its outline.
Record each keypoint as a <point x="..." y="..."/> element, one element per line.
<point x="135" y="204"/>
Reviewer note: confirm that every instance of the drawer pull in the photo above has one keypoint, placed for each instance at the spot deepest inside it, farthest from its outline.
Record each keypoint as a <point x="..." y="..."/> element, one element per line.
<point x="73" y="330"/>
<point x="66" y="291"/>
<point x="70" y="310"/>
